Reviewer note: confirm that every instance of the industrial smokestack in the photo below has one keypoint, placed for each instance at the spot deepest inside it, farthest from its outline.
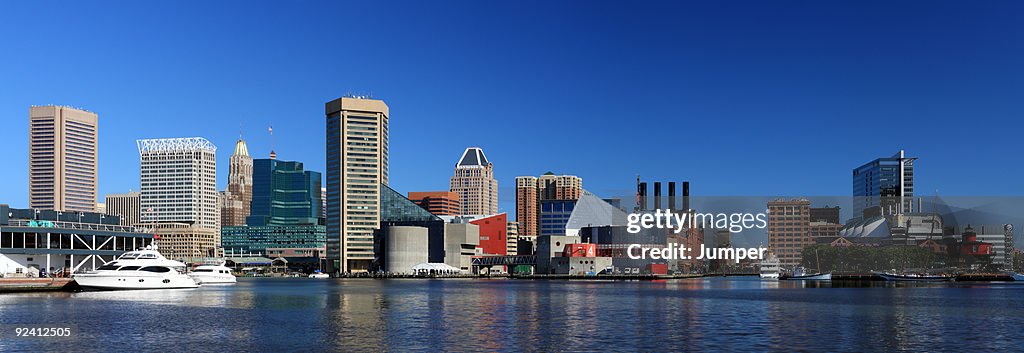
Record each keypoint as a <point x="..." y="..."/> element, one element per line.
<point x="641" y="190"/>
<point x="672" y="195"/>
<point x="686" y="196"/>
<point x="657" y="195"/>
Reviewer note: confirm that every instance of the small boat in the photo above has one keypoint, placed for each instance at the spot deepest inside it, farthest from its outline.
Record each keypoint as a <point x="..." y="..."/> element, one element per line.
<point x="800" y="274"/>
<point x="319" y="275"/>
<point x="1016" y="276"/>
<point x="140" y="269"/>
<point x="213" y="274"/>
<point x="770" y="268"/>
<point x="913" y="277"/>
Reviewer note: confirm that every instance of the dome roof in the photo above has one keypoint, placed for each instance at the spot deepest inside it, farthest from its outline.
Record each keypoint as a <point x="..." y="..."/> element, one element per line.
<point x="241" y="149"/>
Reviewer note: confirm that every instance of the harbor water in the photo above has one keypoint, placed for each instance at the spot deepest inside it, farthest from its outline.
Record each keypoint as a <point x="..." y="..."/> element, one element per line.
<point x="736" y="313"/>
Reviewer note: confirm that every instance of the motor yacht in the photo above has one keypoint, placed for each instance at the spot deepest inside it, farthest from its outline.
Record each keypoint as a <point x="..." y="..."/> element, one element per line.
<point x="140" y="269"/>
<point x="213" y="274"/>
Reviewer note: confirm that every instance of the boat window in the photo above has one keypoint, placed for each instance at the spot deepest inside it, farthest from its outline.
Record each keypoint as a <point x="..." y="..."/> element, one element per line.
<point x="155" y="269"/>
<point x="129" y="268"/>
<point x="129" y="256"/>
<point x="107" y="268"/>
<point x="147" y="256"/>
<point x="203" y="270"/>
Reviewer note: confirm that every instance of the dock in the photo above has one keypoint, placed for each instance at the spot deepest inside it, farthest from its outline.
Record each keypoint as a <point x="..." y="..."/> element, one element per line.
<point x="11" y="285"/>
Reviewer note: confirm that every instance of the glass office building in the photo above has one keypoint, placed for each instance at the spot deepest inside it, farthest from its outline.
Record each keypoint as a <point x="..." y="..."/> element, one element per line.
<point x="884" y="186"/>
<point x="554" y="215"/>
<point x="285" y="211"/>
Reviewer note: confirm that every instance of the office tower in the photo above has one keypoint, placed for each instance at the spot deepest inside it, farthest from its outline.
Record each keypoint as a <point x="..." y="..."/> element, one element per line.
<point x="825" y="214"/>
<point x="884" y="186"/>
<point x="531" y="191"/>
<point x="285" y="213"/>
<point x="527" y="206"/>
<point x="474" y="182"/>
<point x="357" y="165"/>
<point x="62" y="159"/>
<point x="789" y="229"/>
<point x="440" y="203"/>
<point x="178" y="178"/>
<point x="237" y="199"/>
<point x="127" y="206"/>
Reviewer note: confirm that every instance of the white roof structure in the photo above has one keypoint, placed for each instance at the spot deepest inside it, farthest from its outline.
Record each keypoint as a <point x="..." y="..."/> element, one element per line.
<point x="181" y="144"/>
<point x="592" y="211"/>
<point x="435" y="267"/>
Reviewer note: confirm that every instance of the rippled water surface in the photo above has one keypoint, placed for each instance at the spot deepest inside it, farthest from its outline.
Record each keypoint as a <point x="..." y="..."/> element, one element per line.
<point x="522" y="315"/>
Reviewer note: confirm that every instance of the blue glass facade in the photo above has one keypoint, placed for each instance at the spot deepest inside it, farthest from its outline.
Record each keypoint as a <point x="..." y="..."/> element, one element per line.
<point x="554" y="215"/>
<point x="284" y="213"/>
<point x="886" y="184"/>
<point x="284" y="194"/>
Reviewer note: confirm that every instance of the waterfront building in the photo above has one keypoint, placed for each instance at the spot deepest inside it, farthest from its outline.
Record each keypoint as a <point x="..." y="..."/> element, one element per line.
<point x="825" y="214"/>
<point x="238" y="196"/>
<point x="614" y="242"/>
<point x="34" y="241"/>
<point x="1000" y="236"/>
<point x="357" y="165"/>
<point x="512" y="237"/>
<point x="822" y="229"/>
<point x="591" y="210"/>
<point x="284" y="212"/>
<point x="493" y="233"/>
<point x="474" y="182"/>
<point x="178" y="179"/>
<point x="441" y="203"/>
<point x="461" y="241"/>
<point x="398" y="211"/>
<point x="884" y="186"/>
<point x="405" y="248"/>
<point x="63" y="144"/>
<point x="126" y="206"/>
<point x="530" y="191"/>
<point x="789" y="229"/>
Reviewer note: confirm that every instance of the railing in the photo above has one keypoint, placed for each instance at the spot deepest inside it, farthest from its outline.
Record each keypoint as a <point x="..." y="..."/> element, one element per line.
<point x="73" y="225"/>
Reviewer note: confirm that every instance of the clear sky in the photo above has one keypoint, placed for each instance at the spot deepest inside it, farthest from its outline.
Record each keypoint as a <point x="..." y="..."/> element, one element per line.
<point x="740" y="98"/>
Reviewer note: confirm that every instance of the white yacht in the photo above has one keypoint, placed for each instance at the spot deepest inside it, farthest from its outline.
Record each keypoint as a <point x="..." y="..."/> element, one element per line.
<point x="319" y="275"/>
<point x="140" y="269"/>
<point x="213" y="274"/>
<point x="771" y="268"/>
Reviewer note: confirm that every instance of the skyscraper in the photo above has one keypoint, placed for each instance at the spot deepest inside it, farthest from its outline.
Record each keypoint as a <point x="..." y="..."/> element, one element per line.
<point x="125" y="205"/>
<point x="474" y="182"/>
<point x="178" y="178"/>
<point x="285" y="213"/>
<point x="530" y="191"/>
<point x="527" y="206"/>
<point x="238" y="197"/>
<point x="885" y="184"/>
<point x="440" y="203"/>
<point x="357" y="165"/>
<point x="62" y="159"/>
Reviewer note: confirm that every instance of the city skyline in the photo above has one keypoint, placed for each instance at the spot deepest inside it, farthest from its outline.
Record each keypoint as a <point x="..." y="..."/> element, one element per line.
<point x="858" y="96"/>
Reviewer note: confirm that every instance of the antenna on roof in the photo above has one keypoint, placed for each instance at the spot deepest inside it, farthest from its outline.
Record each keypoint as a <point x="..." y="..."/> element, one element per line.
<point x="271" y="131"/>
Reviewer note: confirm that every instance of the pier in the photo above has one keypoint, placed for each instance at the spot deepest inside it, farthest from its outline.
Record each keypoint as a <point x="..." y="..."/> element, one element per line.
<point x="9" y="285"/>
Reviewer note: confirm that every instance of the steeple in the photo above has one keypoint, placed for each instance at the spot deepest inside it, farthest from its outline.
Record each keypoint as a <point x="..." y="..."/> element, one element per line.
<point x="240" y="148"/>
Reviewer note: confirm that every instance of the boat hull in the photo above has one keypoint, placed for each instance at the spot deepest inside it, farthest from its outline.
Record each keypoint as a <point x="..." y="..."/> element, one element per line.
<point x="811" y="277"/>
<point x="769" y="276"/>
<point x="214" y="279"/>
<point x="909" y="278"/>
<point x="100" y="281"/>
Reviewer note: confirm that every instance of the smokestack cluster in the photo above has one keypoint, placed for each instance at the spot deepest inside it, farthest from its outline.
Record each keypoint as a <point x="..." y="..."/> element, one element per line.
<point x="641" y="192"/>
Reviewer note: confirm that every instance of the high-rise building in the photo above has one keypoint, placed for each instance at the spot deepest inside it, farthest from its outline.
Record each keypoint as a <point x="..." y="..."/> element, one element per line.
<point x="530" y="191"/>
<point x="357" y="165"/>
<point x="440" y="203"/>
<point x="789" y="229"/>
<point x="125" y="205"/>
<point x="178" y="179"/>
<point x="285" y="212"/>
<point x="62" y="159"/>
<point x="527" y="206"/>
<point x="238" y="197"/>
<point x="474" y="182"/>
<point x="884" y="186"/>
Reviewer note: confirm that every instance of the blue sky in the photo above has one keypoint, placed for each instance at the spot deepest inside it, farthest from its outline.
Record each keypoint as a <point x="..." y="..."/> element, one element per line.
<point x="740" y="98"/>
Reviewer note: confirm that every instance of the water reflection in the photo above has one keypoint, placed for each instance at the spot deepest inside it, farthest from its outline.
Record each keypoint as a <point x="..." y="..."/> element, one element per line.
<point x="520" y="315"/>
